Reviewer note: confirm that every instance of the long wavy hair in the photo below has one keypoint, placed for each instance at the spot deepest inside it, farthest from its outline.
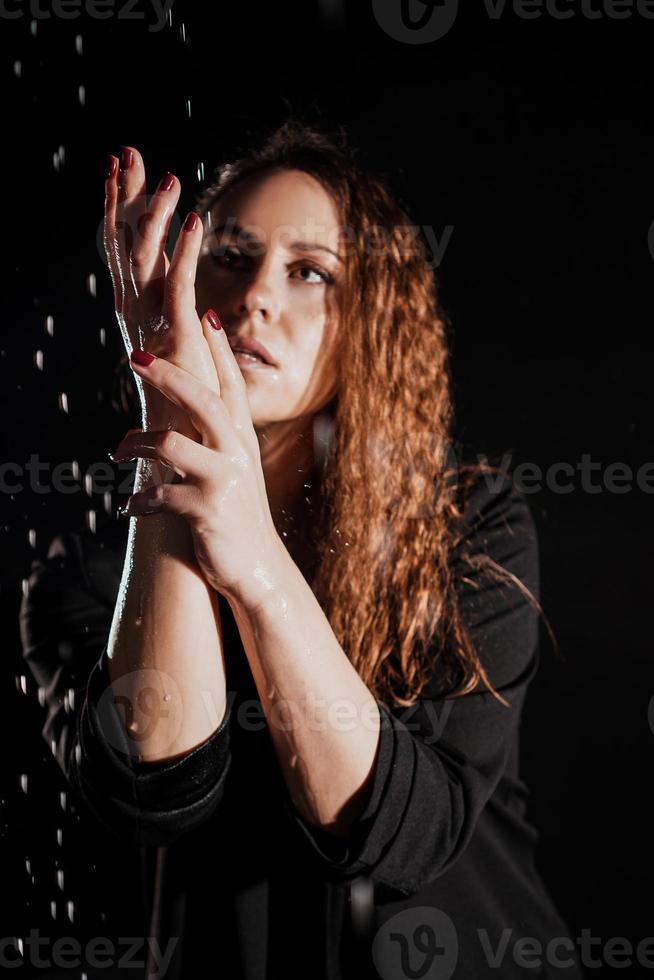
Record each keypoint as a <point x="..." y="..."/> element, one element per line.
<point x="392" y="495"/>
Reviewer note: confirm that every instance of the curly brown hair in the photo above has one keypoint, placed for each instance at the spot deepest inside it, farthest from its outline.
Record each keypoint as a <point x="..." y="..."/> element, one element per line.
<point x="392" y="495"/>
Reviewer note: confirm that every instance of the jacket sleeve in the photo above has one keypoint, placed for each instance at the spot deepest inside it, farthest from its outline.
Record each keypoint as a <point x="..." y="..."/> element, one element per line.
<point x="439" y="761"/>
<point x="64" y="630"/>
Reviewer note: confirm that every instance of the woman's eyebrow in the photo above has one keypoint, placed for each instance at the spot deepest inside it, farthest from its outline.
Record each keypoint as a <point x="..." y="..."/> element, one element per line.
<point x="233" y="229"/>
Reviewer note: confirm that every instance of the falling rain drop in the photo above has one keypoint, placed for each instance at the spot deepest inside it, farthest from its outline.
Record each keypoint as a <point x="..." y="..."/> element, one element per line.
<point x="25" y="585"/>
<point x="28" y="866"/>
<point x="75" y="469"/>
<point x="70" y="909"/>
<point x="38" y="359"/>
<point x="81" y="95"/>
<point x="88" y="484"/>
<point x="182" y="32"/>
<point x="33" y="27"/>
<point x="79" y="44"/>
<point x="78" y="753"/>
<point x="103" y="336"/>
<point x="60" y="880"/>
<point x="53" y="909"/>
<point x="31" y="537"/>
<point x="23" y="782"/>
<point x="62" y="153"/>
<point x="188" y="108"/>
<point x="40" y="696"/>
<point x="170" y="17"/>
<point x="60" y="837"/>
<point x="18" y="68"/>
<point x="63" y="402"/>
<point x="91" y="520"/>
<point x="62" y="800"/>
<point x="107" y="502"/>
<point x="53" y="746"/>
<point x="91" y="284"/>
<point x="200" y="171"/>
<point x="49" y="325"/>
<point x="21" y="683"/>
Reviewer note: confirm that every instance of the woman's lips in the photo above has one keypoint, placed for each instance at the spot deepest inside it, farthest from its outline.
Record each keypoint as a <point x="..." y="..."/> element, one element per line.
<point x="249" y="360"/>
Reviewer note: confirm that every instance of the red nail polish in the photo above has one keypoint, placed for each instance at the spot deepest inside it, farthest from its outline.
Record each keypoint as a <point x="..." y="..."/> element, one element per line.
<point x="166" y="182"/>
<point x="110" y="170"/>
<point x="141" y="357"/>
<point x="214" y="319"/>
<point x="191" y="221"/>
<point x="128" y="157"/>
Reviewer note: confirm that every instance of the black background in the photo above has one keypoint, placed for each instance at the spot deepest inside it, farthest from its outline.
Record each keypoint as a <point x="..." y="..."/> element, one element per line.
<point x="530" y="139"/>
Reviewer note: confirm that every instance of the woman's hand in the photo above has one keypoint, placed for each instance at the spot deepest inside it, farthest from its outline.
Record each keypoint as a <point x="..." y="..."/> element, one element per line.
<point x="221" y="491"/>
<point x="154" y="297"/>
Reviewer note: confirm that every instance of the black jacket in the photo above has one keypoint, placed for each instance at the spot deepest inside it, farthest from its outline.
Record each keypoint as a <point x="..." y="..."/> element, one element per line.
<point x="440" y="866"/>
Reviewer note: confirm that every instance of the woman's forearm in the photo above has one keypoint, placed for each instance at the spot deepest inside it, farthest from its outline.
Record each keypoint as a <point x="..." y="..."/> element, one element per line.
<point x="323" y="720"/>
<point x="166" y="659"/>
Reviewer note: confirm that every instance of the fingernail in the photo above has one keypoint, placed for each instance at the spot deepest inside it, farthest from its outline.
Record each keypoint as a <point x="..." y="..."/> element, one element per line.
<point x="127" y="157"/>
<point x="166" y="182"/>
<point x="214" y="320"/>
<point x="110" y="170"/>
<point x="141" y="357"/>
<point x="191" y="221"/>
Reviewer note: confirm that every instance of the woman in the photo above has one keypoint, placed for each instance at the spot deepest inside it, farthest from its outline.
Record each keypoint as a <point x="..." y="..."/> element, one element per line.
<point x="308" y="703"/>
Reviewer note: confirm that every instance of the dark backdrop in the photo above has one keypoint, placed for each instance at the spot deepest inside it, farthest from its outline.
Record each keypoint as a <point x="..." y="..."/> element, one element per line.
<point x="525" y="142"/>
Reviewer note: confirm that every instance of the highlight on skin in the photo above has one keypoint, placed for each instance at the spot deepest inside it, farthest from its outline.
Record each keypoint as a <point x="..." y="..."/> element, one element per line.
<point x="392" y="495"/>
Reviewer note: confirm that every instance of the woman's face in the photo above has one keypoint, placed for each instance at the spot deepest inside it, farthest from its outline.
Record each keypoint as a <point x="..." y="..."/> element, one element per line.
<point x="270" y="267"/>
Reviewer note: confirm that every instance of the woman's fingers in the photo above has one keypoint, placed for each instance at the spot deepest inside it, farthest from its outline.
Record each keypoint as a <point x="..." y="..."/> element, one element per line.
<point x="202" y="404"/>
<point x="130" y="207"/>
<point x="148" y="259"/>
<point x="109" y="230"/>
<point x="186" y="500"/>
<point x="179" y="298"/>
<point x="233" y="389"/>
<point x="187" y="458"/>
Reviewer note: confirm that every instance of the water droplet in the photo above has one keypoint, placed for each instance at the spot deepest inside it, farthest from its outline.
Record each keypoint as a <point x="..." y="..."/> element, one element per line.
<point x="79" y="44"/>
<point x="60" y="880"/>
<point x="91" y="520"/>
<point x="60" y="837"/>
<point x="107" y="502"/>
<point x="75" y="469"/>
<point x="53" y="909"/>
<point x="81" y="94"/>
<point x="33" y="27"/>
<point x="78" y="753"/>
<point x="166" y="697"/>
<point x="28" y="866"/>
<point x="62" y="800"/>
<point x="103" y="337"/>
<point x="63" y="402"/>
<point x="21" y="683"/>
<point x="91" y="284"/>
<point x="49" y="325"/>
<point x="53" y="746"/>
<point x="31" y="537"/>
<point x="38" y="359"/>
<point x="70" y="909"/>
<point x="182" y="32"/>
<point x="188" y="108"/>
<point x="24" y="782"/>
<point x="40" y="694"/>
<point x="88" y="484"/>
<point x="200" y="171"/>
<point x="25" y="585"/>
<point x="18" y="69"/>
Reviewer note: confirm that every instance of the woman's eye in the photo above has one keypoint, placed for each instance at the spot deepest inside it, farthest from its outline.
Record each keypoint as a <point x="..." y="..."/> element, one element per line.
<point x="320" y="273"/>
<point x="225" y="256"/>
